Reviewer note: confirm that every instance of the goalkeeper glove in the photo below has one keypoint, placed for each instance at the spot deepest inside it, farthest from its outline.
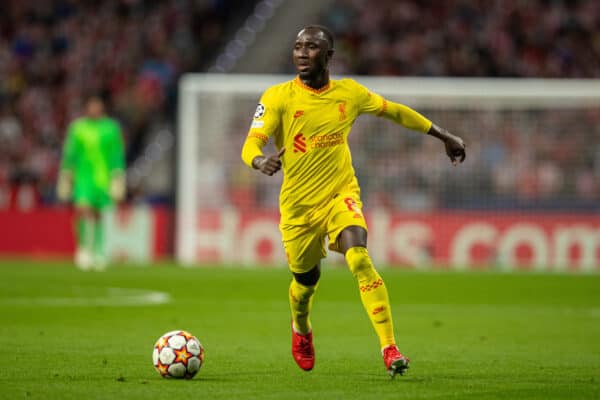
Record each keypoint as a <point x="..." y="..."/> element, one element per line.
<point x="63" y="186"/>
<point x="118" y="186"/>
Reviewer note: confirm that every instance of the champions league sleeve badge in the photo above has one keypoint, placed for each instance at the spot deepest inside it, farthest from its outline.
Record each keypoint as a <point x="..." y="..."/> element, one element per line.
<point x="260" y="111"/>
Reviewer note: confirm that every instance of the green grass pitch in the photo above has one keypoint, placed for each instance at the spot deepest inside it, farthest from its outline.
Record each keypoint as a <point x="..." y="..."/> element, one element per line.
<point x="67" y="334"/>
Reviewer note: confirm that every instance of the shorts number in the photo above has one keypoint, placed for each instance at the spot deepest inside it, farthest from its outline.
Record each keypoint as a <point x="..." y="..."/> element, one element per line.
<point x="351" y="204"/>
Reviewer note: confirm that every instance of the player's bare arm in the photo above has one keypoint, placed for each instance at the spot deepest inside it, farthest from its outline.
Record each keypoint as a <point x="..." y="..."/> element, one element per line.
<point x="455" y="146"/>
<point x="268" y="165"/>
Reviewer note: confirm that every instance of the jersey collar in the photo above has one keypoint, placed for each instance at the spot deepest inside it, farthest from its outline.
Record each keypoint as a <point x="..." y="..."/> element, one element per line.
<point x="299" y="82"/>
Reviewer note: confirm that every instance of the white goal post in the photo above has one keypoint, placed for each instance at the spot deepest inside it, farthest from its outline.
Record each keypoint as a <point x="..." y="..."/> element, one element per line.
<point x="215" y="111"/>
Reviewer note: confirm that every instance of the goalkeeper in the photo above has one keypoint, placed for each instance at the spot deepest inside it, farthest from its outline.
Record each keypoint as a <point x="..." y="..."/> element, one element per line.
<point x="309" y="119"/>
<point x="92" y="175"/>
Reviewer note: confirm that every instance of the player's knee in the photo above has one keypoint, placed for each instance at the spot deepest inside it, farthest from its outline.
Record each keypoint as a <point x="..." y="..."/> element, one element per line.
<point x="359" y="262"/>
<point x="309" y="278"/>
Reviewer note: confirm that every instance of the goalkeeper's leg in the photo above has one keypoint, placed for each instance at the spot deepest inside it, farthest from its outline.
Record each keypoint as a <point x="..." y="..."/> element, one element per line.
<point x="85" y="227"/>
<point x="99" y="256"/>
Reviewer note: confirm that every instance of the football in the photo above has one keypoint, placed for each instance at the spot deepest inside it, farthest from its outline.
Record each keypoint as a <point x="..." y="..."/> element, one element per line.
<point x="178" y="354"/>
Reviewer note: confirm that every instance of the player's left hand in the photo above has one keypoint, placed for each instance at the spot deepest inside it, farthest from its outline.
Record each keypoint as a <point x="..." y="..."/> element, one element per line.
<point x="63" y="186"/>
<point x="455" y="148"/>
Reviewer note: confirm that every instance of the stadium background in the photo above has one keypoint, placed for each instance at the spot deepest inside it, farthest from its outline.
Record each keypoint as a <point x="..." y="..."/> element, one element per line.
<point x="545" y="169"/>
<point x="69" y="334"/>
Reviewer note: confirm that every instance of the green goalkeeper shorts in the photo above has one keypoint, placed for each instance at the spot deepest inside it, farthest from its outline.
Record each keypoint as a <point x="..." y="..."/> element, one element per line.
<point x="91" y="196"/>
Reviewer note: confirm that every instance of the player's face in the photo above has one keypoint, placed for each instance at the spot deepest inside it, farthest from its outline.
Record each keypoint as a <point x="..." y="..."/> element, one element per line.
<point x="94" y="108"/>
<point x="311" y="53"/>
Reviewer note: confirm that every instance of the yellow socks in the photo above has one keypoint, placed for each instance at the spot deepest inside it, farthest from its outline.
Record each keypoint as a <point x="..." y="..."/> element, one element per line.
<point x="300" y="303"/>
<point x="373" y="294"/>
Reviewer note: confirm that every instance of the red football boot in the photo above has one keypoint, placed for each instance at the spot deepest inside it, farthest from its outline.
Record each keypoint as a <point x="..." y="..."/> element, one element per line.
<point x="394" y="361"/>
<point x="303" y="350"/>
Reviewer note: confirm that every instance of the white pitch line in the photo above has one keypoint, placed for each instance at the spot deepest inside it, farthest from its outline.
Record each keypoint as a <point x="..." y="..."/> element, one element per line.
<point x="113" y="297"/>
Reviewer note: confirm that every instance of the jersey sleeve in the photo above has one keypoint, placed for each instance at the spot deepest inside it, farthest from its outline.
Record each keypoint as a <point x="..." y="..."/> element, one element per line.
<point x="368" y="102"/>
<point x="69" y="154"/>
<point x="373" y="103"/>
<point x="266" y="122"/>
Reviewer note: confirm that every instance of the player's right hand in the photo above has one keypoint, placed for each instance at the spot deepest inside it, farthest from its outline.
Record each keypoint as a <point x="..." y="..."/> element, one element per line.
<point x="269" y="165"/>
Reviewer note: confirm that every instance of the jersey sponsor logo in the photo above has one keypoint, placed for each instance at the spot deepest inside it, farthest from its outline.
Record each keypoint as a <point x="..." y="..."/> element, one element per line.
<point x="257" y="124"/>
<point x="342" y="110"/>
<point x="322" y="141"/>
<point x="317" y="141"/>
<point x="298" y="114"/>
<point x="299" y="143"/>
<point x="260" y="111"/>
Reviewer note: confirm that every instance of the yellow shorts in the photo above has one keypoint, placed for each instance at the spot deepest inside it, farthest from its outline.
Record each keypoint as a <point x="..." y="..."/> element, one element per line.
<point x="305" y="244"/>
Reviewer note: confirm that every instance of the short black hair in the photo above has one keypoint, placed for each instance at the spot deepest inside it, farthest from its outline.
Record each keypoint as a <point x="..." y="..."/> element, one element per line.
<point x="102" y="95"/>
<point x="93" y="96"/>
<point x="326" y="32"/>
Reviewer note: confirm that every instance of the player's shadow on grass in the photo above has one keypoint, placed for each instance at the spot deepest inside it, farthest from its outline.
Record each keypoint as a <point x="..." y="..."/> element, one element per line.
<point x="368" y="377"/>
<point x="198" y="379"/>
<point x="238" y="377"/>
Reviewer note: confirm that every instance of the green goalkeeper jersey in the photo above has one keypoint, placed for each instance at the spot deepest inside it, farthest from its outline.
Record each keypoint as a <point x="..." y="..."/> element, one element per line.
<point x="93" y="153"/>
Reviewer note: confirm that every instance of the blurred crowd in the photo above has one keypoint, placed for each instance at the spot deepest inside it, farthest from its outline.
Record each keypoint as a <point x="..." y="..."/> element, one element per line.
<point x="516" y="159"/>
<point x="508" y="38"/>
<point x="55" y="52"/>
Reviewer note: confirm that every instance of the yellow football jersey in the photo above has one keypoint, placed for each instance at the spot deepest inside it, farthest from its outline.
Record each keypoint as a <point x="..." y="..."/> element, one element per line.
<point x="313" y="126"/>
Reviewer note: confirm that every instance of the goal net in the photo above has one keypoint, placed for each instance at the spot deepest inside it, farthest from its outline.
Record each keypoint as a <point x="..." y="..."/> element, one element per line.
<point x="527" y="196"/>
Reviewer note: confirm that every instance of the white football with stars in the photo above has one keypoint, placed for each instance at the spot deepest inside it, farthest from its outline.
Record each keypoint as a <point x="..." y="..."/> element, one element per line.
<point x="178" y="354"/>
